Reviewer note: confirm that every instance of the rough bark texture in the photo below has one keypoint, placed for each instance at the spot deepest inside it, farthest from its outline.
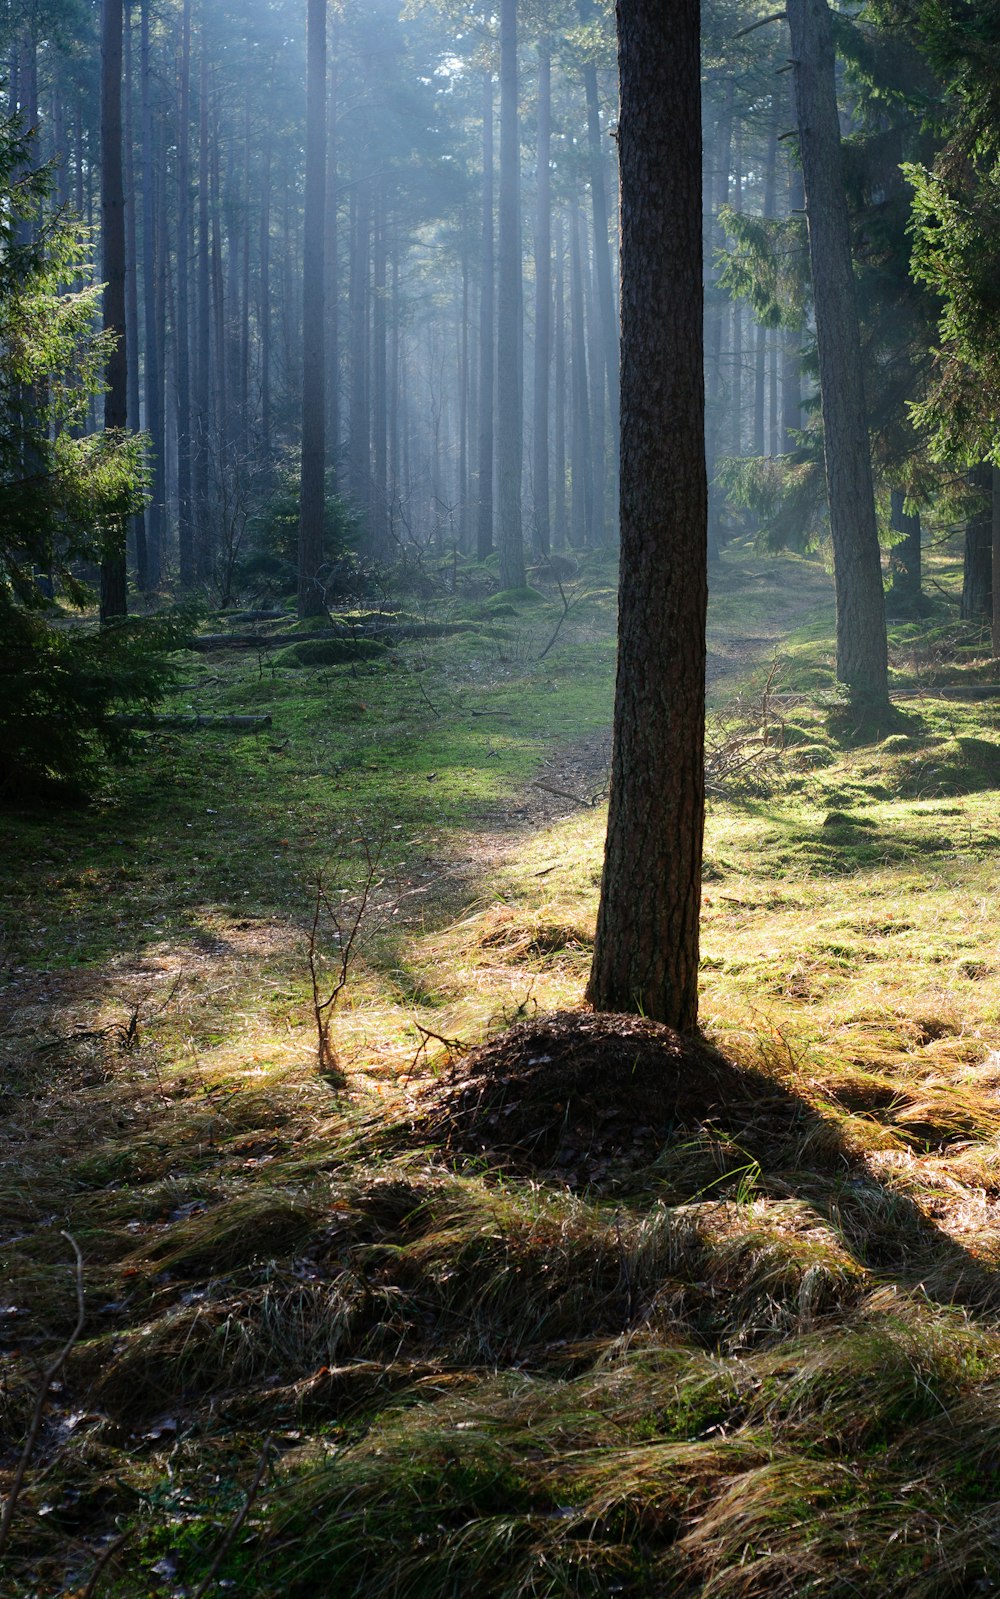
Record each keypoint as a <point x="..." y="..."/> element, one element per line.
<point x="977" y="565"/>
<point x="113" y="574"/>
<point x="510" y="365"/>
<point x="646" y="950"/>
<point x="861" y="644"/>
<point x="311" y="596"/>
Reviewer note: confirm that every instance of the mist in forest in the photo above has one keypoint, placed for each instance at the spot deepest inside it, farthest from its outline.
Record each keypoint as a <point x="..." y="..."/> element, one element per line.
<point x="364" y="279"/>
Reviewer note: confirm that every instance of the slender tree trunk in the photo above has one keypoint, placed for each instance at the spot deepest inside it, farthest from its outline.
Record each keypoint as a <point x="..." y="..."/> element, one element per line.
<point x="715" y="396"/>
<point x="904" y="558"/>
<point x="202" y="404"/>
<point x="114" y="597"/>
<point x="596" y="392"/>
<point x="332" y="288"/>
<point x="182" y="340"/>
<point x="264" y="309"/>
<point x="543" y="298"/>
<point x="977" y="571"/>
<point x="152" y="363"/>
<point x="608" y="333"/>
<point x="380" y="443"/>
<point x="861" y="642"/>
<point x="137" y="523"/>
<point x="360" y="434"/>
<point x="790" y="347"/>
<point x="559" y="419"/>
<point x="510" y="395"/>
<point x="646" y="948"/>
<point x="760" y="349"/>
<point x="582" y="482"/>
<point x="311" y="595"/>
<point x="484" y="512"/>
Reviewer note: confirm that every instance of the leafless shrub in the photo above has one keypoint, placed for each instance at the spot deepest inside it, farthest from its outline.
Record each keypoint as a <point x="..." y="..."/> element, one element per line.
<point x="744" y="743"/>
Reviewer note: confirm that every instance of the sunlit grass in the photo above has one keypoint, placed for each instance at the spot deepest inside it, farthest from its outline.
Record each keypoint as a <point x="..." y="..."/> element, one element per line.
<point x="727" y="1372"/>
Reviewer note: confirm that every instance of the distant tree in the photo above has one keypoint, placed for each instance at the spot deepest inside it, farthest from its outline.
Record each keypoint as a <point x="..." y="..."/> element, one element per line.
<point x="114" y="598"/>
<point x="311" y="598"/>
<point x="862" y="659"/>
<point x="510" y="365"/>
<point x="646" y="949"/>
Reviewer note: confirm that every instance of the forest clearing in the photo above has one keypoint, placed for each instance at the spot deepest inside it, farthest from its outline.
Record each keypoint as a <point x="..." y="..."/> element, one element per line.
<point x="735" y="1359"/>
<point x="499" y="772"/>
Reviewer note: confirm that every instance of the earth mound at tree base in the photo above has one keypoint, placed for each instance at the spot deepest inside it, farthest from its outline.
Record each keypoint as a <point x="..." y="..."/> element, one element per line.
<point x="575" y="1093"/>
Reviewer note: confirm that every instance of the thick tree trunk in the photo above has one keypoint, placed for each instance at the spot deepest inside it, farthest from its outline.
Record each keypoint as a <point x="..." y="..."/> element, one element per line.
<point x="311" y="594"/>
<point x="543" y="299"/>
<point x="114" y="597"/>
<point x="861" y="643"/>
<point x="646" y="949"/>
<point x="510" y="396"/>
<point x="977" y="572"/>
<point x="484" y="513"/>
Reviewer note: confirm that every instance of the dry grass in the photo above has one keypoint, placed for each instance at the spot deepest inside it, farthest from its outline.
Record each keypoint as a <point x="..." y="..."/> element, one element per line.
<point x="754" y="1356"/>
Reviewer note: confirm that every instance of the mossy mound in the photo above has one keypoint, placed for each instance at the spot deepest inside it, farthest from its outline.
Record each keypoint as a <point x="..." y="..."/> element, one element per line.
<point x="513" y="600"/>
<point x="329" y="652"/>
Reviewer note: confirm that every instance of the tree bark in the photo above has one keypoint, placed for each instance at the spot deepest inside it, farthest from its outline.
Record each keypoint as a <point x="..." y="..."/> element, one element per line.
<point x="185" y="510"/>
<point x="543" y="299"/>
<point x="510" y="379"/>
<point x="646" y="949"/>
<point x="152" y="353"/>
<point x="311" y="595"/>
<point x="904" y="557"/>
<point x="484" y="511"/>
<point x="862" y="663"/>
<point x="114" y="592"/>
<point x="977" y="566"/>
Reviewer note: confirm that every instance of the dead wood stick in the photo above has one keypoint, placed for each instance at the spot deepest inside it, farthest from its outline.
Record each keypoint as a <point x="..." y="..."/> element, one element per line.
<point x="237" y="1521"/>
<point x="48" y="1377"/>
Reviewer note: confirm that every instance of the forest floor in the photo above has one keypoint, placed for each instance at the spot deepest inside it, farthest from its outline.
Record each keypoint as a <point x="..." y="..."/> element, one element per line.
<point x="359" y="1330"/>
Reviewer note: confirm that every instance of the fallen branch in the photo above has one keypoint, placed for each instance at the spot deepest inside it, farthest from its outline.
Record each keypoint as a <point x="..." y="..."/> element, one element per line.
<point x="48" y="1378"/>
<point x="237" y="1521"/>
<point x="105" y="1560"/>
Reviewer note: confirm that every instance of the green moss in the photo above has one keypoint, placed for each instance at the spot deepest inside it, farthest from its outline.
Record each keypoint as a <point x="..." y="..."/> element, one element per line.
<point x="329" y="652"/>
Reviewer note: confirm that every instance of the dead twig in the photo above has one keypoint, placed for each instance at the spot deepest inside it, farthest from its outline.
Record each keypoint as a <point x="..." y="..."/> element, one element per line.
<point x="237" y="1521"/>
<point x="567" y="605"/>
<point x="105" y="1560"/>
<point x="48" y="1378"/>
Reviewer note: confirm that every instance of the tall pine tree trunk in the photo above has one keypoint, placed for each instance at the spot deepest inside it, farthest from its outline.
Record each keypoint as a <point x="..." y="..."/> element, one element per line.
<point x="543" y="299"/>
<point x="185" y="509"/>
<point x="154" y="389"/>
<point x="311" y="594"/>
<point x="510" y="395"/>
<point x="114" y="596"/>
<point x="861" y="642"/>
<point x="487" y="346"/>
<point x="646" y="948"/>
